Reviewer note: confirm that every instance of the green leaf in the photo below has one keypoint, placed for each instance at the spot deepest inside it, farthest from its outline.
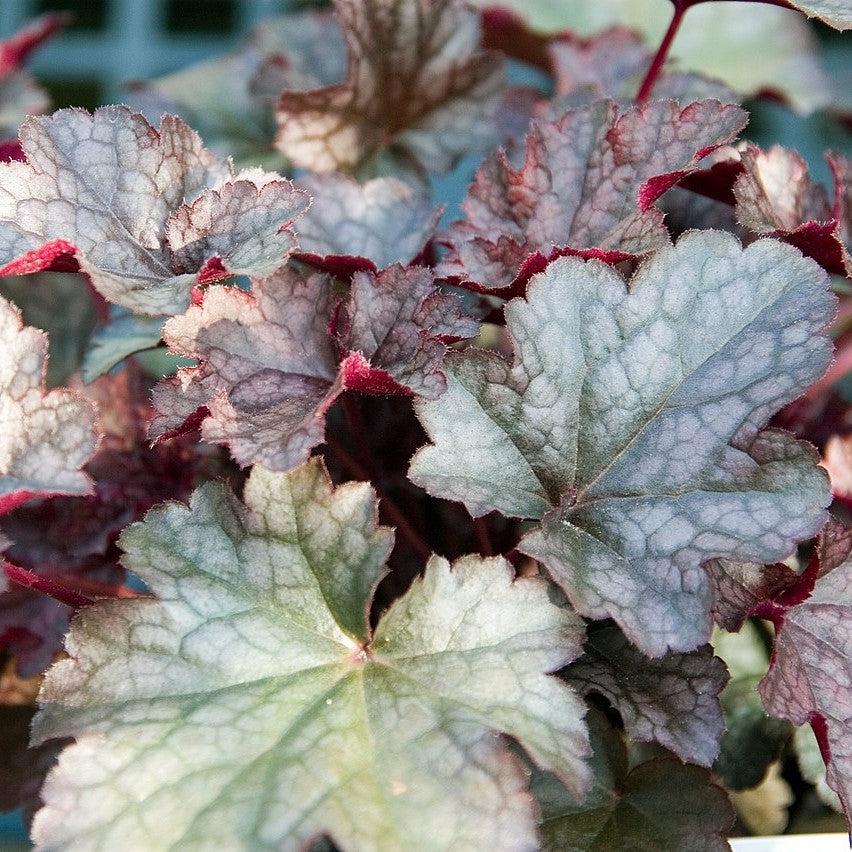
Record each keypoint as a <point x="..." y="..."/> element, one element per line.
<point x="659" y="804"/>
<point x="251" y="706"/>
<point x="125" y="334"/>
<point x="630" y="423"/>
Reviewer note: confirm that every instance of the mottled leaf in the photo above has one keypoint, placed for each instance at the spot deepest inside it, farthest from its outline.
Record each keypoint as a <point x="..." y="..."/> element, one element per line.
<point x="45" y="436"/>
<point x="657" y="804"/>
<point x="752" y="740"/>
<point x="630" y="424"/>
<point x="144" y="213"/>
<point x="310" y="722"/>
<point x="417" y="82"/>
<point x="587" y="186"/>
<point x="393" y="329"/>
<point x="352" y="226"/>
<point x="269" y="368"/>
<point x="810" y="679"/>
<point x="775" y="196"/>
<point x="673" y="700"/>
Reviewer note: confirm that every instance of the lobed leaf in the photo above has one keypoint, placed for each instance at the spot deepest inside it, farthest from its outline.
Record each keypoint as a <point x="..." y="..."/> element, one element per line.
<point x="252" y="705"/>
<point x="657" y="804"/>
<point x="416" y="81"/>
<point x="630" y="425"/>
<point x="673" y="700"/>
<point x="144" y="213"/>
<point x="269" y="368"/>
<point x="587" y="187"/>
<point x="45" y="436"/>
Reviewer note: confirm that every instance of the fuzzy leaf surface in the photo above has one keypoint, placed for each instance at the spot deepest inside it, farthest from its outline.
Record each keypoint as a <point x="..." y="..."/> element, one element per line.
<point x="144" y="213"/>
<point x="673" y="700"/>
<point x="658" y="804"/>
<point x="587" y="186"/>
<point x="308" y="723"/>
<point x="352" y="226"/>
<point x="269" y="368"/>
<point x="630" y="423"/>
<point x="810" y="679"/>
<point x="835" y="13"/>
<point x="776" y="196"/>
<point x="45" y="436"/>
<point x="416" y="81"/>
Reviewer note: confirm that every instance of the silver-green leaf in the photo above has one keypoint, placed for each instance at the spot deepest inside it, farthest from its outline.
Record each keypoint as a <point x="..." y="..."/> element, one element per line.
<point x="250" y="706"/>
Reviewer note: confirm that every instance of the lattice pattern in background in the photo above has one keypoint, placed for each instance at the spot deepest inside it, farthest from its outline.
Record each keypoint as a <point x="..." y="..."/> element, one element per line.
<point x="112" y="41"/>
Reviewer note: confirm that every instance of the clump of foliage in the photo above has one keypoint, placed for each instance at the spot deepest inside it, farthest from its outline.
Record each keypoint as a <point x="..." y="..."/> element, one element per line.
<point x="331" y="522"/>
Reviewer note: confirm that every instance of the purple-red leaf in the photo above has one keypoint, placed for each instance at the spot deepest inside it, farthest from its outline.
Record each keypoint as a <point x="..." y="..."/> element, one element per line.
<point x="274" y="360"/>
<point x="587" y="187"/>
<point x="417" y="81"/>
<point x="776" y="196"/>
<point x="144" y="213"/>
<point x="810" y="679"/>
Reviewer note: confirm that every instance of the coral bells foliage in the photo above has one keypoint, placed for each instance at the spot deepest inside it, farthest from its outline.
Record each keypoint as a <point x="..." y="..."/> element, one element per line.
<point x="327" y="518"/>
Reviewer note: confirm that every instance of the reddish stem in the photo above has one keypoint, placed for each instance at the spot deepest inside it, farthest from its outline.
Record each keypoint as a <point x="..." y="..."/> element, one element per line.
<point x="662" y="53"/>
<point x="393" y="512"/>
<point x="30" y="580"/>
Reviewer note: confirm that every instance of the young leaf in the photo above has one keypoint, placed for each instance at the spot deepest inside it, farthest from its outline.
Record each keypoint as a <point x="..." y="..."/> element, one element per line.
<point x="657" y="804"/>
<point x="630" y="424"/>
<point x="269" y="369"/>
<point x="810" y="679"/>
<point x="417" y="81"/>
<point x="45" y="436"/>
<point x="144" y="213"/>
<point x="252" y="705"/>
<point x="775" y="196"/>
<point x="352" y="226"/>
<point x="673" y="700"/>
<point x="587" y="187"/>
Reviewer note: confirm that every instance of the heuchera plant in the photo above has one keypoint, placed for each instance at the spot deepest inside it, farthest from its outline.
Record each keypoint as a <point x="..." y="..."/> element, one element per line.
<point x="336" y="524"/>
